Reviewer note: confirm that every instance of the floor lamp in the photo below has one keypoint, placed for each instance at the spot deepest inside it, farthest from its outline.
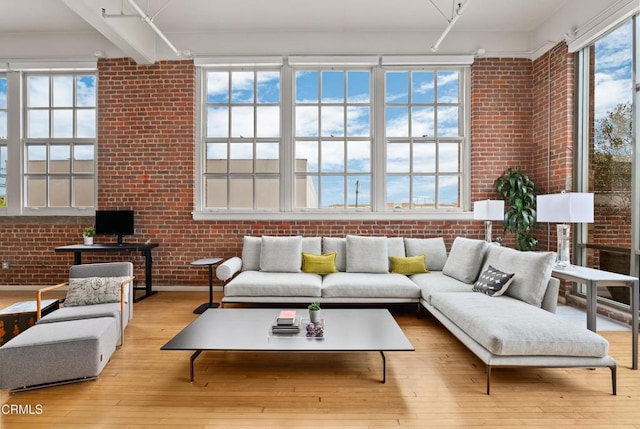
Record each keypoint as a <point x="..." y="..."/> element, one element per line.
<point x="487" y="211"/>
<point x="565" y="208"/>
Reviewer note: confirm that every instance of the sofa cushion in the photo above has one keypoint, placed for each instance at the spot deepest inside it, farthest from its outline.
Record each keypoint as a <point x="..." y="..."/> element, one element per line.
<point x="433" y="249"/>
<point x="251" y="247"/>
<point x="312" y="245"/>
<point x="281" y="254"/>
<point x="319" y="264"/>
<point x="95" y="290"/>
<point x="84" y="312"/>
<point x="532" y="271"/>
<point x="339" y="245"/>
<point x="409" y="265"/>
<point x="367" y="254"/>
<point x="260" y="283"/>
<point x="509" y="327"/>
<point x="395" y="247"/>
<point x="493" y="282"/>
<point x="435" y="282"/>
<point x="368" y="285"/>
<point x="465" y="259"/>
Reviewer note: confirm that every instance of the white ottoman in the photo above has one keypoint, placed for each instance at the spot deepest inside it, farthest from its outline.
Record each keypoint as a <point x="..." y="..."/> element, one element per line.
<point x="59" y="352"/>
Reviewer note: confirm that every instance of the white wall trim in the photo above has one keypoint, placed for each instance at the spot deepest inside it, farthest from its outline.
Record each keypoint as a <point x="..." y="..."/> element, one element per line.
<point x="609" y="19"/>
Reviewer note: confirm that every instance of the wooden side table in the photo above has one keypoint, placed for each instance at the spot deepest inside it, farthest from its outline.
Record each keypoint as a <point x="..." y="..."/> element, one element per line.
<point x="210" y="262"/>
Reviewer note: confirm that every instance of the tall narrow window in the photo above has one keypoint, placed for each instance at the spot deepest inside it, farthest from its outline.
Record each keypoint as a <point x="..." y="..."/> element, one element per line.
<point x="242" y="139"/>
<point x="609" y="158"/>
<point x="424" y="138"/>
<point x="59" y="144"/>
<point x="3" y="140"/>
<point x="333" y="141"/>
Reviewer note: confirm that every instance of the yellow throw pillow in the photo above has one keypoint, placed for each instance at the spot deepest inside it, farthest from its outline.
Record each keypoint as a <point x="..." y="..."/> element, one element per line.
<point x="319" y="264"/>
<point x="409" y="265"/>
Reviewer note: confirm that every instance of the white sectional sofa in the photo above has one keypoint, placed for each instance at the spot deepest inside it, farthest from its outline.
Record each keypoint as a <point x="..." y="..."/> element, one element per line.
<point x="513" y="327"/>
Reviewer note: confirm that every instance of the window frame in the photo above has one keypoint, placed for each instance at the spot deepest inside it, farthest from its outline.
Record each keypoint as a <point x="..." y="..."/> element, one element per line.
<point x="377" y="65"/>
<point x="254" y="140"/>
<point x="17" y="142"/>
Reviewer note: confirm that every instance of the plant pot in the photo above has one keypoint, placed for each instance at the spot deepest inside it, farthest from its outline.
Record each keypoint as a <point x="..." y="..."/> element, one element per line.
<point x="314" y="316"/>
<point x="88" y="241"/>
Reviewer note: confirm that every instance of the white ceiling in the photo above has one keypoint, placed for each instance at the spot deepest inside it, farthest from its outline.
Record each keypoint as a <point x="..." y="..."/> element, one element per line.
<point x="75" y="28"/>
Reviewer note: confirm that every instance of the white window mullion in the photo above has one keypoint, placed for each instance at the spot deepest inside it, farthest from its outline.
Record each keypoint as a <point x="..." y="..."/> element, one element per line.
<point x="379" y="145"/>
<point x="287" y="151"/>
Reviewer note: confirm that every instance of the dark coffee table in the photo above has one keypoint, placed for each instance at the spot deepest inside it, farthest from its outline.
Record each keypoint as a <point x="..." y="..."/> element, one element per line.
<point x="248" y="329"/>
<point x="21" y="316"/>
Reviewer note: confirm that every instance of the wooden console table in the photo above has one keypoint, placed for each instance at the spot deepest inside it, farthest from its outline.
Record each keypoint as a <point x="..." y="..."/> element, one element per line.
<point x="143" y="248"/>
<point x="593" y="278"/>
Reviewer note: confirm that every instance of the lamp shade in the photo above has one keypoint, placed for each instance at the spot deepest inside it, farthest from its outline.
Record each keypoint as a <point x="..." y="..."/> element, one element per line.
<point x="567" y="207"/>
<point x="488" y="210"/>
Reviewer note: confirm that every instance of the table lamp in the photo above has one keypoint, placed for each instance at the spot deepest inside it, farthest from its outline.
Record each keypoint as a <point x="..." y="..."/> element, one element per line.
<point x="564" y="208"/>
<point x="487" y="211"/>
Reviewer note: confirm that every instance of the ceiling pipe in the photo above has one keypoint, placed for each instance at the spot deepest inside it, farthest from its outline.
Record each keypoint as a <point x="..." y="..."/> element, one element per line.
<point x="146" y="18"/>
<point x="458" y="14"/>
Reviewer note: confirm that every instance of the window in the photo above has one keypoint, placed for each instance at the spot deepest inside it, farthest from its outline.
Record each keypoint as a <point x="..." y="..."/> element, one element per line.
<point x="59" y="140"/>
<point x="242" y="138"/>
<point x="3" y="140"/>
<point x="332" y="139"/>
<point x="424" y="139"/>
<point x="316" y="137"/>
<point x="608" y="139"/>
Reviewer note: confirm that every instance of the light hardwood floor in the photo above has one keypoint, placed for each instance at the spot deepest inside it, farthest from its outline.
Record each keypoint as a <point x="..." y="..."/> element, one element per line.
<point x="440" y="385"/>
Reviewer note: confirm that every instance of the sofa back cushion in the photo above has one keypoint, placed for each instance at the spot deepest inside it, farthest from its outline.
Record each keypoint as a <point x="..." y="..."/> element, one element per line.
<point x="395" y="247"/>
<point x="338" y="245"/>
<point x="465" y="259"/>
<point x="281" y="254"/>
<point x="433" y="249"/>
<point x="251" y="248"/>
<point x="532" y="271"/>
<point x="367" y="254"/>
<point x="312" y="245"/>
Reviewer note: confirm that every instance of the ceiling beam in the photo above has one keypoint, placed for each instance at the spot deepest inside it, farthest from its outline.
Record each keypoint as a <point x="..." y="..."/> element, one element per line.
<point x="131" y="35"/>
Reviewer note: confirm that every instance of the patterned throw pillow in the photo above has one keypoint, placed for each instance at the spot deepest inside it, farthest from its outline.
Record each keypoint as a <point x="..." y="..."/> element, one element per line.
<point x="493" y="282"/>
<point x="95" y="290"/>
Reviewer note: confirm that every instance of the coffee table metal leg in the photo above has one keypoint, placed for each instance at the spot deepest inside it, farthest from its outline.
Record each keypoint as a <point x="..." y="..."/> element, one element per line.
<point x="193" y="358"/>
<point x="384" y="367"/>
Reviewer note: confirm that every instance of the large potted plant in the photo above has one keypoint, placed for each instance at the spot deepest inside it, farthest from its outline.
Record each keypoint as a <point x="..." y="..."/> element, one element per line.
<point x="518" y="192"/>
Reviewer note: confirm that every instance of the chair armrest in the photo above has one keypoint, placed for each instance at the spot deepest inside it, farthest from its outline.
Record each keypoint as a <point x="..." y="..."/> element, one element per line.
<point x="228" y="268"/>
<point x="122" y="294"/>
<point x="39" y="297"/>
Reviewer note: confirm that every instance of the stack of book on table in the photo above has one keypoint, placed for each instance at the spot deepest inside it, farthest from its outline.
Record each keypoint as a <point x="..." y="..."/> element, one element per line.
<point x="287" y="322"/>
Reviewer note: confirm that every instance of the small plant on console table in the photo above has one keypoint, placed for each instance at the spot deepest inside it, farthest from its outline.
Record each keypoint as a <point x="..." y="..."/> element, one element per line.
<point x="314" y="312"/>
<point x="87" y="235"/>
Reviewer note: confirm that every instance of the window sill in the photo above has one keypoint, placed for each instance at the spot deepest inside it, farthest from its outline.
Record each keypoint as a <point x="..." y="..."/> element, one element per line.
<point x="322" y="216"/>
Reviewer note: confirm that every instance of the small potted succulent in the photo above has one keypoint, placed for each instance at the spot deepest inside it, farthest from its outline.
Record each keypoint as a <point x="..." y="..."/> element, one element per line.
<point x="87" y="235"/>
<point x="314" y="312"/>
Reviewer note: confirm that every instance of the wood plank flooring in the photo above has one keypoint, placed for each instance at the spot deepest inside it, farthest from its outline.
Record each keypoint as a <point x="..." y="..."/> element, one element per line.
<point x="440" y="385"/>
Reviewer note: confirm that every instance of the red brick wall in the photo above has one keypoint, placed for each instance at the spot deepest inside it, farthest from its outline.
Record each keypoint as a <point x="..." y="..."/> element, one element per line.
<point x="553" y="129"/>
<point x="146" y="161"/>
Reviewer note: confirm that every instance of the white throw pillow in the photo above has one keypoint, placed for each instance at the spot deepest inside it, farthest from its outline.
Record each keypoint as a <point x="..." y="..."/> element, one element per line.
<point x="433" y="249"/>
<point x="281" y="254"/>
<point x="251" y="248"/>
<point x="367" y="254"/>
<point x="465" y="259"/>
<point x="95" y="290"/>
